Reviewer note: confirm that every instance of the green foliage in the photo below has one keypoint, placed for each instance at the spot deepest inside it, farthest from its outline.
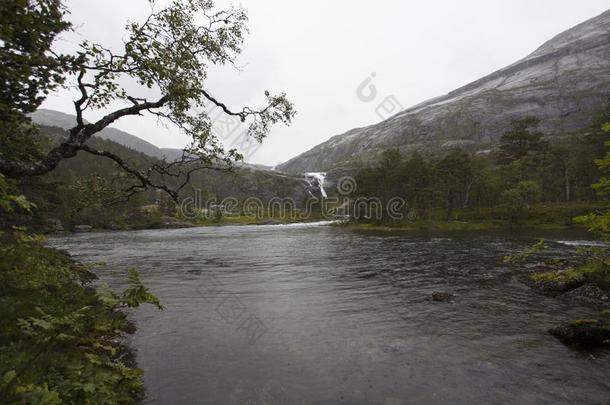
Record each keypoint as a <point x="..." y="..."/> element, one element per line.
<point x="600" y="222"/>
<point x="521" y="139"/>
<point x="526" y="254"/>
<point x="519" y="199"/>
<point x="602" y="187"/>
<point x="569" y="277"/>
<point x="91" y="189"/>
<point x="218" y="214"/>
<point x="168" y="53"/>
<point x="595" y="272"/>
<point x="58" y="336"/>
<point x="533" y="180"/>
<point x="171" y="52"/>
<point x="455" y="171"/>
<point x="12" y="206"/>
<point x="137" y="294"/>
<point x="9" y="202"/>
<point x="29" y="71"/>
<point x="597" y="267"/>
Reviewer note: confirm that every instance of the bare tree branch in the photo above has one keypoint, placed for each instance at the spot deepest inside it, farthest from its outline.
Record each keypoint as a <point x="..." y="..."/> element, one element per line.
<point x="186" y="167"/>
<point x="145" y="181"/>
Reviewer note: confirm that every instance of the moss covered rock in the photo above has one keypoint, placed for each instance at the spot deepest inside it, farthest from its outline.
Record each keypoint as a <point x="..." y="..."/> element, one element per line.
<point x="589" y="294"/>
<point x="584" y="333"/>
<point x="557" y="282"/>
<point x="440" y="296"/>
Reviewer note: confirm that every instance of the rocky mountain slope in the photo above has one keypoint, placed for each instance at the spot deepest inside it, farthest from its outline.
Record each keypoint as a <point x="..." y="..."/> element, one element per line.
<point x="565" y="83"/>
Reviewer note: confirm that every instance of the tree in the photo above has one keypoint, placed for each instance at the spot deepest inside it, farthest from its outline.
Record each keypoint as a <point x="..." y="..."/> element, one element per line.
<point x="384" y="182"/>
<point x="521" y="138"/>
<point x="168" y="54"/>
<point x="30" y="70"/>
<point x="600" y="222"/>
<point x="10" y="201"/>
<point x="520" y="198"/>
<point x="456" y="176"/>
<point x="389" y="174"/>
<point x="418" y="177"/>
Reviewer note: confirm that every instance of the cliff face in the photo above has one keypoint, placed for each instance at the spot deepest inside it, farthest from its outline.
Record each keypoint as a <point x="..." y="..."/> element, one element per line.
<point x="565" y="83"/>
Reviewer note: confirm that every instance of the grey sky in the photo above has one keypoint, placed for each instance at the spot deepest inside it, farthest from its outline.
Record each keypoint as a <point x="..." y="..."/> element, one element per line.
<point x="319" y="52"/>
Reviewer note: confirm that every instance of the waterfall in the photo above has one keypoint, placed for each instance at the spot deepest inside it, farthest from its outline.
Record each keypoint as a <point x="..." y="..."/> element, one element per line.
<point x="319" y="178"/>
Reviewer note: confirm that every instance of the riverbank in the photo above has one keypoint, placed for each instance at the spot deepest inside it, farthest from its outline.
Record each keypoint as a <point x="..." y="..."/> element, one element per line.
<point x="456" y="226"/>
<point x="60" y="337"/>
<point x="549" y="216"/>
<point x="419" y="226"/>
<point x="578" y="281"/>
<point x="556" y="216"/>
<point x="179" y="223"/>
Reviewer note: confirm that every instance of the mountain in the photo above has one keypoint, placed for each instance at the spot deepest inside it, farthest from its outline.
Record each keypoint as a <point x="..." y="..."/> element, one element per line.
<point x="58" y="119"/>
<point x="565" y="83"/>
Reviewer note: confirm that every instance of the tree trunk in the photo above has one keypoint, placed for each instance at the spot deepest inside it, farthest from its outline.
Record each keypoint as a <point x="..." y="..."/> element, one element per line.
<point x="449" y="205"/>
<point x="467" y="193"/>
<point x="566" y="178"/>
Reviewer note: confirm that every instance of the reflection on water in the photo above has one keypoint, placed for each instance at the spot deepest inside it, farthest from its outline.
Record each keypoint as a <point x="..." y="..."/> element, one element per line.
<point x="323" y="315"/>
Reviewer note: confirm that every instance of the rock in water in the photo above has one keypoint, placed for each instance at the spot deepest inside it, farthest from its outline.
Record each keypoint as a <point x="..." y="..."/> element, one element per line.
<point x="589" y="294"/>
<point x="442" y="296"/>
<point x="555" y="282"/>
<point x="586" y="333"/>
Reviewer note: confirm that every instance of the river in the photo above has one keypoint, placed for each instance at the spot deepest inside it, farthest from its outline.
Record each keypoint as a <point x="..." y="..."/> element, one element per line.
<point x="326" y="315"/>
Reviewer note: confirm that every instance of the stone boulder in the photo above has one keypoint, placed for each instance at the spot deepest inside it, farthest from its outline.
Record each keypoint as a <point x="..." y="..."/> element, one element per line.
<point x="585" y="333"/>
<point x="439" y="296"/>
<point x="589" y="294"/>
<point x="555" y="282"/>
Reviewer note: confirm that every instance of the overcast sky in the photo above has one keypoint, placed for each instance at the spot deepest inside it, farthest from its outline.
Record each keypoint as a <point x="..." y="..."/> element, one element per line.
<point x="319" y="52"/>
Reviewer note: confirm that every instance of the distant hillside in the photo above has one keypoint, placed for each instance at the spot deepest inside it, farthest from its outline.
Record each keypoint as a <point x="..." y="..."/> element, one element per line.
<point x="565" y="83"/>
<point x="243" y="182"/>
<point x="66" y="121"/>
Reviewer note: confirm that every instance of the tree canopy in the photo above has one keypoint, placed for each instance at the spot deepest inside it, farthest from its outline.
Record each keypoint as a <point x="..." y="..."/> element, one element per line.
<point x="521" y="138"/>
<point x="30" y="70"/>
<point x="507" y="183"/>
<point x="168" y="55"/>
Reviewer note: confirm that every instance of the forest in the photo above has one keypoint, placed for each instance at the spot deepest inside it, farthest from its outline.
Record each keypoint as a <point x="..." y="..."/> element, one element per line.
<point x="526" y="177"/>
